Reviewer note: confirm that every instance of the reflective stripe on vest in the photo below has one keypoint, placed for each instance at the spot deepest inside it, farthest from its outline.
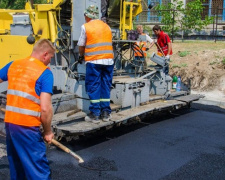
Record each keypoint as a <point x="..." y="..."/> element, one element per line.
<point x="23" y="104"/>
<point x="98" y="52"/>
<point x="99" y="41"/>
<point x="98" y="45"/>
<point x="23" y="111"/>
<point x="25" y="95"/>
<point x="163" y="43"/>
<point x="142" y="45"/>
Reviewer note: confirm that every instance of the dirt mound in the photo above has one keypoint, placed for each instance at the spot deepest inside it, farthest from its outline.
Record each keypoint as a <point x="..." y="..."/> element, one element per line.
<point x="202" y="62"/>
<point x="205" y="69"/>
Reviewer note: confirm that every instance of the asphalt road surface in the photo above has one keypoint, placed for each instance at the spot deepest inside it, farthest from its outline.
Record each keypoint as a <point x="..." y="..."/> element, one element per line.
<point x="189" y="144"/>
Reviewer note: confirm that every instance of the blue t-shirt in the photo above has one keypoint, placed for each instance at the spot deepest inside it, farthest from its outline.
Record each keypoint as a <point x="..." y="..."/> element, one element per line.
<point x="43" y="84"/>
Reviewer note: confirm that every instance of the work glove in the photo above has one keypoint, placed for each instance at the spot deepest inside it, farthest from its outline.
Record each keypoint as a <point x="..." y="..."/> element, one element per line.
<point x="81" y="59"/>
<point x="167" y="57"/>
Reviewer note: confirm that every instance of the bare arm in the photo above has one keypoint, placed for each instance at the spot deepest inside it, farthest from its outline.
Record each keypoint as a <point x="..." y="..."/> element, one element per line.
<point x="81" y="50"/>
<point x="150" y="40"/>
<point x="151" y="44"/>
<point x="46" y="116"/>
<point x="1" y="80"/>
<point x="169" y="48"/>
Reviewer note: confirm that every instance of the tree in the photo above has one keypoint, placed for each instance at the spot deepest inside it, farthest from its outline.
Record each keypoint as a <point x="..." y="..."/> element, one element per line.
<point x="3" y="4"/>
<point x="177" y="18"/>
<point x="17" y="4"/>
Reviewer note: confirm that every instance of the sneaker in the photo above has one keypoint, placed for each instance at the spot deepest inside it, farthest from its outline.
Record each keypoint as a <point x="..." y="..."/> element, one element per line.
<point x="92" y="118"/>
<point x="106" y="116"/>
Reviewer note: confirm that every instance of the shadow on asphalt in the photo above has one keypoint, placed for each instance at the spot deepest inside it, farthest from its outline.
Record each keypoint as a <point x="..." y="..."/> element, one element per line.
<point x="115" y="132"/>
<point x="209" y="108"/>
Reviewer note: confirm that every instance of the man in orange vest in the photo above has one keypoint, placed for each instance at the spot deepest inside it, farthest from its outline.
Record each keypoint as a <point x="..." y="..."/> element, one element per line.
<point x="28" y="106"/>
<point x="95" y="47"/>
<point x="163" y="44"/>
<point x="141" y="55"/>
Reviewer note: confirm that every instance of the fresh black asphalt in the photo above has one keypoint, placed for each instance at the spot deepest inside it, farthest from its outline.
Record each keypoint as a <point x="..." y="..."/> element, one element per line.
<point x="188" y="144"/>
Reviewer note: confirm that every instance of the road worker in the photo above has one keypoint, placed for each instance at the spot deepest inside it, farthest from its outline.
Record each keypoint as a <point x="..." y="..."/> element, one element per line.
<point x="164" y="44"/>
<point x="140" y="56"/>
<point x="95" y="47"/>
<point x="29" y="105"/>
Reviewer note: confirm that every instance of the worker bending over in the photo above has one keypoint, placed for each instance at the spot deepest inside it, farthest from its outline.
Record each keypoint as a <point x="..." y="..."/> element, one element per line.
<point x="28" y="106"/>
<point x="95" y="47"/>
<point x="164" y="44"/>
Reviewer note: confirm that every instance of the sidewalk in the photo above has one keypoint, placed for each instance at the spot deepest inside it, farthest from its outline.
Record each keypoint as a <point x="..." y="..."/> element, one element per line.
<point x="214" y="100"/>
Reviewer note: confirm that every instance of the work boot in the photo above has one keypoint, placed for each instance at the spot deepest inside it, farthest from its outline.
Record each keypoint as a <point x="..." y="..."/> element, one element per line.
<point x="105" y="116"/>
<point x="92" y="118"/>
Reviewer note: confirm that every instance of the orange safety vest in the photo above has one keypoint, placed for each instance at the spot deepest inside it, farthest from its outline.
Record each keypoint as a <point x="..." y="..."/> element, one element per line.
<point x="99" y="41"/>
<point x="142" y="45"/>
<point x="23" y="104"/>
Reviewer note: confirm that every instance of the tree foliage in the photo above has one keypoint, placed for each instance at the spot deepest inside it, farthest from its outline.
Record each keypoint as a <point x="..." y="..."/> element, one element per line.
<point x="17" y="4"/>
<point x="177" y="18"/>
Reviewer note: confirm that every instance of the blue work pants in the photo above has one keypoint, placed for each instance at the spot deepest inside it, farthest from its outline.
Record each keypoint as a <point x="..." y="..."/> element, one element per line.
<point x="26" y="153"/>
<point x="98" y="83"/>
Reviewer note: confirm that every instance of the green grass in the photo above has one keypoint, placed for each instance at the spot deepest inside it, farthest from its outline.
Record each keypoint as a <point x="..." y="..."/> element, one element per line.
<point x="198" y="45"/>
<point x="179" y="65"/>
<point x="184" y="65"/>
<point x="176" y="66"/>
<point x="196" y="52"/>
<point x="223" y="61"/>
<point x="183" y="53"/>
<point x="212" y="63"/>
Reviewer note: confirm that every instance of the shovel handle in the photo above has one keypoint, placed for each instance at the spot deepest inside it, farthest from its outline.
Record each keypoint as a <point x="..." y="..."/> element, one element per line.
<point x="64" y="148"/>
<point x="2" y="109"/>
<point x="61" y="146"/>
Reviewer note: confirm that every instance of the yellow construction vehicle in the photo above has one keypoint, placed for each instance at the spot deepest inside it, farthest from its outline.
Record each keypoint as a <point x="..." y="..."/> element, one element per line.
<point x="136" y="91"/>
<point x="19" y="29"/>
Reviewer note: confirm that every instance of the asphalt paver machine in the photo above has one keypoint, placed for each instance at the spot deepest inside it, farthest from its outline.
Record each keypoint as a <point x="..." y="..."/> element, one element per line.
<point x="137" y="90"/>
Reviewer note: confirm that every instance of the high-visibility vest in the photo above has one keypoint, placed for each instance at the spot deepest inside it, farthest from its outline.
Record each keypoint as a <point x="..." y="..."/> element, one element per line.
<point x="99" y="41"/>
<point x="163" y="43"/>
<point x="142" y="45"/>
<point x="23" y="104"/>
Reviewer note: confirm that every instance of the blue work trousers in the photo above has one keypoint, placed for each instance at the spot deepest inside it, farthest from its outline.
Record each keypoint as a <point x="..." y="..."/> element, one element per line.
<point x="98" y="83"/>
<point x="26" y="153"/>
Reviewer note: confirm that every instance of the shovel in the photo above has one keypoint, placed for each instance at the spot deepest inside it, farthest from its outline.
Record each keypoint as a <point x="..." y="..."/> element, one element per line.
<point x="61" y="146"/>
<point x="64" y="148"/>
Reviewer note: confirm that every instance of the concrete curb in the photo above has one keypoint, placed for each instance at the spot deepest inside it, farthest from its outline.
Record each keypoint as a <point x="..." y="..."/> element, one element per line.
<point x="209" y="105"/>
<point x="203" y="104"/>
<point x="212" y="102"/>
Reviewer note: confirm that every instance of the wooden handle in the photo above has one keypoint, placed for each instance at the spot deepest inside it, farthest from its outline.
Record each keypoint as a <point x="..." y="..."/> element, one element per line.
<point x="61" y="146"/>
<point x="64" y="148"/>
<point x="2" y="109"/>
<point x="73" y="112"/>
<point x="160" y="49"/>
